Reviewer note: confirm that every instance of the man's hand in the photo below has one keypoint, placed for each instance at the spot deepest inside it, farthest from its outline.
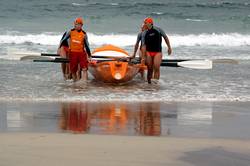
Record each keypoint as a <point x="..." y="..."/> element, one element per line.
<point x="132" y="56"/>
<point x="143" y="61"/>
<point x="169" y="51"/>
<point x="89" y="58"/>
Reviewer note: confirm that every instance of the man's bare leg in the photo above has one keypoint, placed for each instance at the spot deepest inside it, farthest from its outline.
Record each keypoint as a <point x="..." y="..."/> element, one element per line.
<point x="79" y="73"/>
<point x="74" y="77"/>
<point x="64" y="66"/>
<point x="84" y="74"/>
<point x="142" y="70"/>
<point x="149" y="63"/>
<point x="156" y="65"/>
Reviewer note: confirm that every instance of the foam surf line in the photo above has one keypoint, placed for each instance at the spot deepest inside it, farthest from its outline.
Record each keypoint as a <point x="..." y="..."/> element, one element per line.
<point x="124" y="40"/>
<point x="41" y="39"/>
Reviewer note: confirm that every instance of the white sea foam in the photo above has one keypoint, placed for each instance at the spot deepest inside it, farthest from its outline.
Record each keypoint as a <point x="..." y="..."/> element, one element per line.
<point x="41" y="39"/>
<point x="227" y="40"/>
<point x="157" y="13"/>
<point x="123" y="40"/>
<point x="114" y="4"/>
<point x="78" y="4"/>
<point x="196" y="20"/>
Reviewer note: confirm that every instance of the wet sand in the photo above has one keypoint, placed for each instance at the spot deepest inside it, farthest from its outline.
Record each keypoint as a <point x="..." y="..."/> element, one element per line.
<point x="156" y="133"/>
<point x="177" y="119"/>
<point x="94" y="150"/>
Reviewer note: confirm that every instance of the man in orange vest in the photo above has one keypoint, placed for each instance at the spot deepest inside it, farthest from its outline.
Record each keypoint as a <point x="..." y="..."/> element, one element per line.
<point x="79" y="51"/>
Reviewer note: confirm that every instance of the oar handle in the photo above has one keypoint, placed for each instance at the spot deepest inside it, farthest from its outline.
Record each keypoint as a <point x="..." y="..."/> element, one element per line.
<point x="175" y="60"/>
<point x="170" y="64"/>
<point x="194" y="64"/>
<point x="46" y="54"/>
<point x="112" y="57"/>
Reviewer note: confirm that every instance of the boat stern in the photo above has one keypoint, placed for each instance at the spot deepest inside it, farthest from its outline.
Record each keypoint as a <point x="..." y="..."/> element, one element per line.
<point x="113" y="71"/>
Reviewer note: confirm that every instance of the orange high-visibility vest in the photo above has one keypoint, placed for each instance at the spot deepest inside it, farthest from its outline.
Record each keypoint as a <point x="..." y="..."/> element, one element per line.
<point x="76" y="41"/>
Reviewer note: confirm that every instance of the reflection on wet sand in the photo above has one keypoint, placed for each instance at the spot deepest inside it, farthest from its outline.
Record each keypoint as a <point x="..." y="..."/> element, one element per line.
<point x="74" y="117"/>
<point x="197" y="119"/>
<point x="150" y="119"/>
<point x="108" y="118"/>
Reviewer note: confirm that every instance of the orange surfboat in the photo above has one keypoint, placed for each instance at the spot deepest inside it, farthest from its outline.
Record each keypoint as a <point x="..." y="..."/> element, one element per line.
<point x="107" y="66"/>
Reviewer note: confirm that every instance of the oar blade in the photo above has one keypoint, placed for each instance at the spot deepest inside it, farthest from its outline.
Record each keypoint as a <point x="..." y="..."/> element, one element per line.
<point x="34" y="57"/>
<point x="196" y="64"/>
<point x="26" y="53"/>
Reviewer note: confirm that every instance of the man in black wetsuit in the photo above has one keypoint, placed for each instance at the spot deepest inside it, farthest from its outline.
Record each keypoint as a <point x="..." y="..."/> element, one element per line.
<point x="152" y="49"/>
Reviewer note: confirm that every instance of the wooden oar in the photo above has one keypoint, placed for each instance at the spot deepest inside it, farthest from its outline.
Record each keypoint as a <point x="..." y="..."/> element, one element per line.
<point x="196" y="64"/>
<point x="34" y="55"/>
<point x="193" y="64"/>
<point x="56" y="60"/>
<point x="62" y="60"/>
<point x="26" y="53"/>
<point x="46" y="54"/>
<point x="231" y="61"/>
<point x="96" y="57"/>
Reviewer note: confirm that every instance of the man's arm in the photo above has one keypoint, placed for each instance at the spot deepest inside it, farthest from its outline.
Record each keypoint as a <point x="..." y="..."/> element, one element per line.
<point x="168" y="44"/>
<point x="143" y="47"/>
<point x="166" y="40"/>
<point x="65" y="37"/>
<point x="136" y="45"/>
<point x="86" y="43"/>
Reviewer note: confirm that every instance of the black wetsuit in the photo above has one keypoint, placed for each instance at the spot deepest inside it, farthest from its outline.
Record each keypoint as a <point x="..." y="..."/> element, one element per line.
<point x="64" y="42"/>
<point x="152" y="38"/>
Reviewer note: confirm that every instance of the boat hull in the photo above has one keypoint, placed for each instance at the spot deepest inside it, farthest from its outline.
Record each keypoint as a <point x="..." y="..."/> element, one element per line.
<point x="114" y="71"/>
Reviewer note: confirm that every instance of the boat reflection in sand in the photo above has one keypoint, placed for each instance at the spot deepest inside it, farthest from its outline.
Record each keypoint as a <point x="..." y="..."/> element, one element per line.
<point x="178" y="119"/>
<point x="109" y="118"/>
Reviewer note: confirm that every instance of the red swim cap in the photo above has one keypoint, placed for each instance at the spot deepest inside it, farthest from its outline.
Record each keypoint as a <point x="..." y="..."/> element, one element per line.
<point x="79" y="20"/>
<point x="148" y="20"/>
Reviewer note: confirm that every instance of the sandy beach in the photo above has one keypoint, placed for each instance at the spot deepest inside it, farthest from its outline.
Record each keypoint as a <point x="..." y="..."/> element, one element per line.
<point x="27" y="149"/>
<point x="193" y="133"/>
<point x="191" y="117"/>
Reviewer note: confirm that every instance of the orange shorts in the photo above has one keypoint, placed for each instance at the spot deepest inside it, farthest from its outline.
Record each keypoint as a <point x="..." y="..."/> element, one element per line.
<point x="152" y="53"/>
<point x="78" y="58"/>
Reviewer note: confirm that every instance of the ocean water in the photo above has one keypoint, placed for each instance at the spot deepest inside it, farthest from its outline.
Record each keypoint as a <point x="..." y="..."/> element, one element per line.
<point x="197" y="29"/>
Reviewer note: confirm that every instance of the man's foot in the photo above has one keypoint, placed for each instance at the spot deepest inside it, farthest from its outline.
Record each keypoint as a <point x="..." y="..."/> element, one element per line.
<point x="65" y="77"/>
<point x="69" y="76"/>
<point x="149" y="81"/>
<point x="142" y="74"/>
<point x="155" y="81"/>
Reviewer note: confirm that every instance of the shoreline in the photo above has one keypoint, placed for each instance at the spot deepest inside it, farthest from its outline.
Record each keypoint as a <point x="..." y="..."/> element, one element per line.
<point x="134" y="133"/>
